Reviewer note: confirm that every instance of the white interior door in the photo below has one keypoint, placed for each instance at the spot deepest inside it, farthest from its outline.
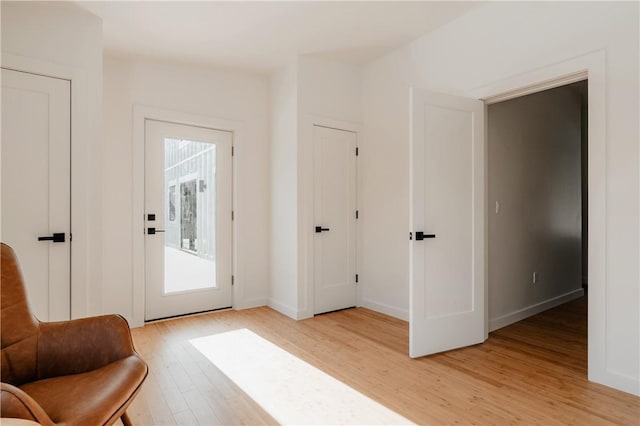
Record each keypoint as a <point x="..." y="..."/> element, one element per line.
<point x="36" y="187"/>
<point x="335" y="219"/>
<point x="447" y="288"/>
<point x="188" y="205"/>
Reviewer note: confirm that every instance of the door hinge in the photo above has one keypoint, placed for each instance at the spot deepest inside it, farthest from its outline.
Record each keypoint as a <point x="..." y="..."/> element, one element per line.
<point x="357" y="151"/>
<point x="356" y="277"/>
<point x="411" y="235"/>
<point x="233" y="150"/>
<point x="233" y="216"/>
<point x="357" y="214"/>
<point x="233" y="279"/>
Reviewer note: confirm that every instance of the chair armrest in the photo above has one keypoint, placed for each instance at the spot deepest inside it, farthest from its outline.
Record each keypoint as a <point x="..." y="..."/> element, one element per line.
<point x="78" y="346"/>
<point x="17" y="404"/>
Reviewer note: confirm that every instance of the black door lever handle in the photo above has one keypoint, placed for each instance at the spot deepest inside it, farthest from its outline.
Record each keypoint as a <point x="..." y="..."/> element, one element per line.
<point x="421" y="236"/>
<point x="320" y="229"/>
<point x="57" y="237"/>
<point x="152" y="231"/>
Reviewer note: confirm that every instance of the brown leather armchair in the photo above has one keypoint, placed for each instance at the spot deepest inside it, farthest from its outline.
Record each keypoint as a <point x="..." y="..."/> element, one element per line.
<point x="79" y="372"/>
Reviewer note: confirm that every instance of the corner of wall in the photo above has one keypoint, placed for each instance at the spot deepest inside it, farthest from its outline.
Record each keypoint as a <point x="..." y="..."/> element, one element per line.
<point x="283" y="103"/>
<point x="283" y="308"/>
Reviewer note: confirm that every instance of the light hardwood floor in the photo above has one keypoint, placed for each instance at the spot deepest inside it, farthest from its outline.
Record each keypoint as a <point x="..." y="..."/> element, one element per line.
<point x="532" y="372"/>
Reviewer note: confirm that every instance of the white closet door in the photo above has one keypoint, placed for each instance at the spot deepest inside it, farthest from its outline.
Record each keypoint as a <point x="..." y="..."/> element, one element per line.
<point x="335" y="219"/>
<point x="36" y="187"/>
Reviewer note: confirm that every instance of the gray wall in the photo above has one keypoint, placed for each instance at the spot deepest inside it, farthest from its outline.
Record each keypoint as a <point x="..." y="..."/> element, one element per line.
<point x="534" y="173"/>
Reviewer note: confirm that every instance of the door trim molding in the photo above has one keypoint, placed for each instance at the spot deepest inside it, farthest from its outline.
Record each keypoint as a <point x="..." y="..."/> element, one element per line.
<point x="591" y="66"/>
<point x="305" y="209"/>
<point x="539" y="87"/>
<point x="80" y="175"/>
<point x="140" y="114"/>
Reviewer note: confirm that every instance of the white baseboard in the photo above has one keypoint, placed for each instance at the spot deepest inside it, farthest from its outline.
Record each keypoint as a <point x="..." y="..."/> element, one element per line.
<point x="616" y="380"/>
<point x="521" y="314"/>
<point x="304" y="314"/>
<point x="283" y="308"/>
<point x="383" y="308"/>
<point x="253" y="303"/>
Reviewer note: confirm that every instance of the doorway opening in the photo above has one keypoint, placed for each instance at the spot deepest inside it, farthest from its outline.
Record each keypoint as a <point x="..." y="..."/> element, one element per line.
<point x="537" y="209"/>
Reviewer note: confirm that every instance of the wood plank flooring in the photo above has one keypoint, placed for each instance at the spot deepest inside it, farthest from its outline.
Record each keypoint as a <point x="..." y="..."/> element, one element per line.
<point x="532" y="372"/>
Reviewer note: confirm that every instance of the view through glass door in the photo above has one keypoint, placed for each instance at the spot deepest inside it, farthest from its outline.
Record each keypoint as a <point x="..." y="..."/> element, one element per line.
<point x="187" y="219"/>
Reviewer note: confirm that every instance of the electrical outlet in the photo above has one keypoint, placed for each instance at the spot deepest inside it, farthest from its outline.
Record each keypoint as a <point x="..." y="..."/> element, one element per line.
<point x="535" y="278"/>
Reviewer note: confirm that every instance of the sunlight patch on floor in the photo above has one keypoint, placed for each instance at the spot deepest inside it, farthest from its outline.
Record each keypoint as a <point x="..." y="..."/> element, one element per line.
<point x="289" y="389"/>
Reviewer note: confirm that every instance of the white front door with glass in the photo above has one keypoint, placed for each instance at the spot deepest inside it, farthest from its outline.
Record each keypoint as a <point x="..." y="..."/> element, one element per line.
<point x="188" y="208"/>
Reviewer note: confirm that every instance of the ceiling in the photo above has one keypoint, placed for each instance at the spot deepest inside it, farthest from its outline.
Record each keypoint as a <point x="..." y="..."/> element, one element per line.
<point x="260" y="36"/>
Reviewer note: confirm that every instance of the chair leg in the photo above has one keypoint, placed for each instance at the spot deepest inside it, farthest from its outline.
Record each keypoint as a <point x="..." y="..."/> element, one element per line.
<point x="126" y="421"/>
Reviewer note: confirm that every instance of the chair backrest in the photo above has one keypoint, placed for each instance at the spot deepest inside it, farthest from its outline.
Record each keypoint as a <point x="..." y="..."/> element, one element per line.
<point x="19" y="328"/>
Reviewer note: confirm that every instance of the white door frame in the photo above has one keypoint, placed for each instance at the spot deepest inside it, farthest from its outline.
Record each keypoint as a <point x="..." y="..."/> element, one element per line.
<point x="306" y="211"/>
<point x="80" y="170"/>
<point x="591" y="66"/>
<point x="140" y="114"/>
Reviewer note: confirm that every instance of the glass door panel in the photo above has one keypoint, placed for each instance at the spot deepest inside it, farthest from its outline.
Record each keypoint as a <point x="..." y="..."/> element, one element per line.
<point x="190" y="207"/>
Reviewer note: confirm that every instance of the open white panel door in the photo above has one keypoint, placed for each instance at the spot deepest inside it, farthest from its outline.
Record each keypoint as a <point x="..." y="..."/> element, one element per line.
<point x="447" y="286"/>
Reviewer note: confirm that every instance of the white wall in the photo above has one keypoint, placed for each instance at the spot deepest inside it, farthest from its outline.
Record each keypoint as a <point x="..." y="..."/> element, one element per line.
<point x="533" y="173"/>
<point x="283" y="103"/>
<point x="330" y="94"/>
<point x="307" y="91"/>
<point x="330" y="89"/>
<point x="198" y="91"/>
<point x="491" y="43"/>
<point x="61" y="40"/>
